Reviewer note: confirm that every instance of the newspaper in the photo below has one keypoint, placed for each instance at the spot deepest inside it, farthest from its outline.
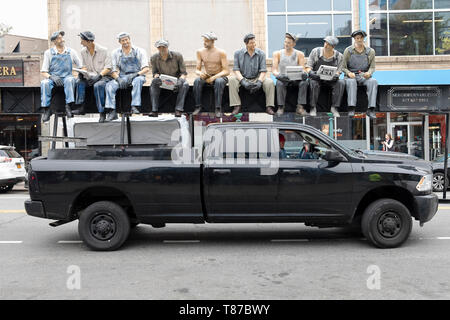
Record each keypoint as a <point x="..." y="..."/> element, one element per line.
<point x="294" y="72"/>
<point x="86" y="74"/>
<point x="168" y="82"/>
<point x="326" y="72"/>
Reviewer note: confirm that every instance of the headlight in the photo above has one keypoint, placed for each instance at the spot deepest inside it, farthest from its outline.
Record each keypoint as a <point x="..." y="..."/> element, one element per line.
<point x="425" y="184"/>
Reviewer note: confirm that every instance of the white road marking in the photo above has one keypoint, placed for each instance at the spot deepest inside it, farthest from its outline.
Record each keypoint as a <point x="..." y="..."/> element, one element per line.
<point x="11" y="242"/>
<point x="13" y="211"/>
<point x="70" y="241"/>
<point x="181" y="241"/>
<point x="443" y="238"/>
<point x="290" y="240"/>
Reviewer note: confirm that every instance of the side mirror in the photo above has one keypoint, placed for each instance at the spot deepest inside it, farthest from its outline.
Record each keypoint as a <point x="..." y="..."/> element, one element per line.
<point x="334" y="156"/>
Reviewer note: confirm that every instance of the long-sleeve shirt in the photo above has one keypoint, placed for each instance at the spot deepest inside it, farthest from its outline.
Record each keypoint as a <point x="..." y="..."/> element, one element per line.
<point x="351" y="49"/>
<point x="173" y="66"/>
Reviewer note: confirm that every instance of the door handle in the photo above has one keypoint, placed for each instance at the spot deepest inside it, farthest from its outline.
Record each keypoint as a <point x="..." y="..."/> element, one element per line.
<point x="291" y="171"/>
<point x="222" y="171"/>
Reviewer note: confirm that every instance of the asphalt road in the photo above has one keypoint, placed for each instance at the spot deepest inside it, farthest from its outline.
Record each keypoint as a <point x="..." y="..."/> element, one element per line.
<point x="227" y="261"/>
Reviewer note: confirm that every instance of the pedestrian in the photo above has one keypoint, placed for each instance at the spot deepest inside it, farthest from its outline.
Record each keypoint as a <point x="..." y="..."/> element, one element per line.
<point x="388" y="143"/>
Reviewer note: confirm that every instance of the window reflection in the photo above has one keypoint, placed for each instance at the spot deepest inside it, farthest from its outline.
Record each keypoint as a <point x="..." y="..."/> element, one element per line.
<point x="276" y="5"/>
<point x="411" y="34"/>
<point x="311" y="30"/>
<point x="316" y="5"/>
<point x="441" y="4"/>
<point x="442" y="28"/>
<point x="378" y="33"/>
<point x="375" y="5"/>
<point x="410" y="4"/>
<point x="276" y="29"/>
<point x="342" y="5"/>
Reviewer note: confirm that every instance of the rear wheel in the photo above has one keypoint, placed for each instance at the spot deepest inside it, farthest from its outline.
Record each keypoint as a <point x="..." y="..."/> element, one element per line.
<point x="386" y="223"/>
<point x="104" y="226"/>
<point x="438" y="181"/>
<point x="4" y="189"/>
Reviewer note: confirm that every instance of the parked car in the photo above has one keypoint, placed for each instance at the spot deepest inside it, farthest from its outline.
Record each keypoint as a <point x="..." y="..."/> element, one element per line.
<point x="438" y="173"/>
<point x="12" y="168"/>
<point x="109" y="190"/>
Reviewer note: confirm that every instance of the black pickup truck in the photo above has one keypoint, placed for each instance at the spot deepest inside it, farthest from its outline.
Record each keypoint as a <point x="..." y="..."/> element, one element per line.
<point x="240" y="175"/>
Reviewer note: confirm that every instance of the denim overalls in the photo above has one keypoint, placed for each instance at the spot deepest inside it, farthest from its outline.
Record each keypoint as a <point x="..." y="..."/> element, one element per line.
<point x="127" y="65"/>
<point x="61" y="66"/>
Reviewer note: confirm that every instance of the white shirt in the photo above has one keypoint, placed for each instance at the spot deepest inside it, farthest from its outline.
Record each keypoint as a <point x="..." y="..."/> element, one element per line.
<point x="97" y="62"/>
<point x="141" y="55"/>
<point x="48" y="57"/>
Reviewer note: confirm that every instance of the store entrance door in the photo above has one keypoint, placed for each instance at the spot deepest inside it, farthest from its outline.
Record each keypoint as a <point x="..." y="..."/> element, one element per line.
<point x="408" y="138"/>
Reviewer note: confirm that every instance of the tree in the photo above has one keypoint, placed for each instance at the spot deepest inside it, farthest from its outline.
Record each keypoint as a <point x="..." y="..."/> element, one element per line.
<point x="4" y="29"/>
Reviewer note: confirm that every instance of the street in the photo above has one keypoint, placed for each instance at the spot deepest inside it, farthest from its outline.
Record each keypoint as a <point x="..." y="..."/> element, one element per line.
<point x="223" y="261"/>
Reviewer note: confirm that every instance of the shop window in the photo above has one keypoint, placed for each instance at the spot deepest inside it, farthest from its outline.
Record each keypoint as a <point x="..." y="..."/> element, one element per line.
<point x="398" y="28"/>
<point x="311" y="21"/>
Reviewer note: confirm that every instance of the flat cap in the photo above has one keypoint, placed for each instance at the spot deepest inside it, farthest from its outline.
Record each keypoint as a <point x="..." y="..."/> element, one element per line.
<point x="361" y="32"/>
<point x="248" y="37"/>
<point x="87" y="35"/>
<point x="291" y="36"/>
<point x="332" y="40"/>
<point x="210" y="36"/>
<point x="162" y="43"/>
<point x="56" y="34"/>
<point x="123" y="34"/>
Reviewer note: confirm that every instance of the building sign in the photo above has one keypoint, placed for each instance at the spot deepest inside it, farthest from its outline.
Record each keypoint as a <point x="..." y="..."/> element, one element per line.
<point x="414" y="98"/>
<point x="11" y="73"/>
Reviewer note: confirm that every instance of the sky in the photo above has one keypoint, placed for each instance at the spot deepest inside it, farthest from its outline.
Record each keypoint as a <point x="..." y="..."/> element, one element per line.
<point x="27" y="17"/>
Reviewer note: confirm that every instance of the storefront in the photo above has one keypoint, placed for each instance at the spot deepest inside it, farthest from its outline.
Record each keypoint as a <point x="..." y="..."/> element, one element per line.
<point x="20" y="124"/>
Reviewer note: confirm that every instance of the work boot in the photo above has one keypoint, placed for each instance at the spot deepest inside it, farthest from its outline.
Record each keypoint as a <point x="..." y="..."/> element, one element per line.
<point x="197" y="111"/>
<point x="112" y="116"/>
<point x="69" y="111"/>
<point x="269" y="110"/>
<point x="218" y="113"/>
<point x="178" y="113"/>
<point x="102" y="117"/>
<point x="371" y="113"/>
<point x="79" y="111"/>
<point x="335" y="112"/>
<point x="153" y="114"/>
<point x="301" y="110"/>
<point x="313" y="112"/>
<point x="135" y="110"/>
<point x="236" y="110"/>
<point x="351" y="111"/>
<point x="47" y="114"/>
<point x="280" y="110"/>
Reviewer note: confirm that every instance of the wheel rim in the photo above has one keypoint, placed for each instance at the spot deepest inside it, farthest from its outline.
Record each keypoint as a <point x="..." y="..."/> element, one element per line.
<point x="438" y="182"/>
<point x="103" y="226"/>
<point x="389" y="224"/>
<point x="3" y="188"/>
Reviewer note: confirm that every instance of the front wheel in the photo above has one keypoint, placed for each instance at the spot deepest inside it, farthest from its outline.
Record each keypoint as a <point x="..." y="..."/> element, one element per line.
<point x="104" y="226"/>
<point x="439" y="182"/>
<point x="386" y="223"/>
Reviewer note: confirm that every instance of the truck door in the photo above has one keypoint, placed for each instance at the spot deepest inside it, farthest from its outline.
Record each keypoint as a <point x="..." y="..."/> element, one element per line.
<point x="239" y="182"/>
<point x="309" y="185"/>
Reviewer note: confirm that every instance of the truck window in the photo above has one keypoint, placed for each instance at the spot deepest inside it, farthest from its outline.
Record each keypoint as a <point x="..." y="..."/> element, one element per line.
<point x="239" y="143"/>
<point x="301" y="145"/>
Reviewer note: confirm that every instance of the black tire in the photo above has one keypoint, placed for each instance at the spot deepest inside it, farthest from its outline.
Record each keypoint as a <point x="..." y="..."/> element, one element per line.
<point x="386" y="223"/>
<point x="438" y="181"/>
<point x="6" y="188"/>
<point x="104" y="226"/>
